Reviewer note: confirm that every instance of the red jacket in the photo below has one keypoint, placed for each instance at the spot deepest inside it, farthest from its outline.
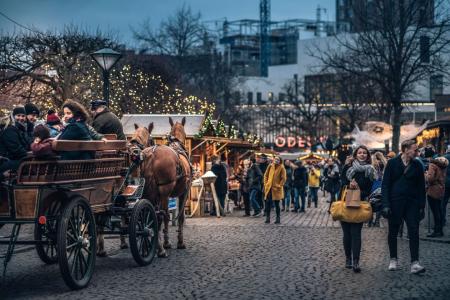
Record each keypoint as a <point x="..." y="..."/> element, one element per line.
<point x="43" y="149"/>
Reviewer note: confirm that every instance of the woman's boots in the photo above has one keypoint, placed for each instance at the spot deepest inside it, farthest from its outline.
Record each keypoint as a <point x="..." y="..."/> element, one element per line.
<point x="356" y="267"/>
<point x="348" y="263"/>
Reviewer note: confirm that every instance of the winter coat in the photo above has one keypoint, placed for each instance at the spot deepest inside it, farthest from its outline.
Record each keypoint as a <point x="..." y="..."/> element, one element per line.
<point x="43" y="149"/>
<point x="364" y="183"/>
<point x="108" y="123"/>
<point x="300" y="178"/>
<point x="332" y="183"/>
<point x="14" y="142"/>
<point x="94" y="134"/>
<point x="254" y="178"/>
<point x="403" y="185"/>
<point x="288" y="183"/>
<point x="314" y="178"/>
<point x="221" y="180"/>
<point x="76" y="130"/>
<point x="241" y="175"/>
<point x="274" y="180"/>
<point x="435" y="177"/>
<point x="53" y="131"/>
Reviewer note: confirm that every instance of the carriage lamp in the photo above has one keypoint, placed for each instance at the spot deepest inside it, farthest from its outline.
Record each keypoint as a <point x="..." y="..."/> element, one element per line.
<point x="106" y="59"/>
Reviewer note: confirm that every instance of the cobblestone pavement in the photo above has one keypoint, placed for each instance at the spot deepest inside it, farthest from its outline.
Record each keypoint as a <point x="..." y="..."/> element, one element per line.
<point x="243" y="258"/>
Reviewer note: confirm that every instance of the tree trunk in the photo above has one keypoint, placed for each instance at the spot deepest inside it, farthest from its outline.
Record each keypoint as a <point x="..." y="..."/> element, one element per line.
<point x="396" y="127"/>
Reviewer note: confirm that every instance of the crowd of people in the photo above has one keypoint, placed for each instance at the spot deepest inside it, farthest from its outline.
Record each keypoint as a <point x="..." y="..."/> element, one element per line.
<point x="405" y="182"/>
<point x="23" y="133"/>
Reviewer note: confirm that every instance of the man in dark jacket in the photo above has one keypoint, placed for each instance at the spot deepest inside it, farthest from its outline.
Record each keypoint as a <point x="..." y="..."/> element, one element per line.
<point x="403" y="192"/>
<point x="287" y="185"/>
<point x="447" y="189"/>
<point x="14" y="142"/>
<point x="254" y="182"/>
<point x="300" y="183"/>
<point x="221" y="182"/>
<point x="106" y="122"/>
<point x="32" y="113"/>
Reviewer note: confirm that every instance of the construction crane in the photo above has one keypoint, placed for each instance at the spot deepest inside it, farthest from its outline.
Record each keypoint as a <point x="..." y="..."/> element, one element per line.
<point x="264" y="16"/>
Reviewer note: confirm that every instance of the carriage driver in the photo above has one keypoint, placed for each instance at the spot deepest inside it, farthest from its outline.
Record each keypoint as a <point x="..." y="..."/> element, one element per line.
<point x="106" y="122"/>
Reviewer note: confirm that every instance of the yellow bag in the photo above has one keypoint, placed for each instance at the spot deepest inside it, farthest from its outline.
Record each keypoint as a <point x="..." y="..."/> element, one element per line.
<point x="339" y="212"/>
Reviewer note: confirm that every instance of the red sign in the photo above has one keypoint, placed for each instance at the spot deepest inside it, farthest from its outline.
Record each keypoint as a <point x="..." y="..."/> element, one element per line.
<point x="296" y="141"/>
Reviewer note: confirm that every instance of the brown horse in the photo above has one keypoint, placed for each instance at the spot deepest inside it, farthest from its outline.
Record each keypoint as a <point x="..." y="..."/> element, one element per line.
<point x="141" y="139"/>
<point x="168" y="173"/>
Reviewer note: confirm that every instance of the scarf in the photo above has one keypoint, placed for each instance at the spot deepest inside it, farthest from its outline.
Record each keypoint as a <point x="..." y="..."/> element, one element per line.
<point x="357" y="166"/>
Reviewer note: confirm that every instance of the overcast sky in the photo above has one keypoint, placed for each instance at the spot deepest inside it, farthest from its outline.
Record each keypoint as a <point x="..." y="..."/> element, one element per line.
<point x="119" y="15"/>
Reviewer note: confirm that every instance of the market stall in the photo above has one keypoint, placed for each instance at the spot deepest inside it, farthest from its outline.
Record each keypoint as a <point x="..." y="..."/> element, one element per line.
<point x="436" y="133"/>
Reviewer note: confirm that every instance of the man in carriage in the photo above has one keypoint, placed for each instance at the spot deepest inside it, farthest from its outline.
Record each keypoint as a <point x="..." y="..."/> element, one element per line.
<point x="105" y="121"/>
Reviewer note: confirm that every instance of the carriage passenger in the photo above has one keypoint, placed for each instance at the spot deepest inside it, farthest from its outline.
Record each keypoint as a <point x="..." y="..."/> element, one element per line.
<point x="42" y="144"/>
<point x="54" y="123"/>
<point x="76" y="116"/>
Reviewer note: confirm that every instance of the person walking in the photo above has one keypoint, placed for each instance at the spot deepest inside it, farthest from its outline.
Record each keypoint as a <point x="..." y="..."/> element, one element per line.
<point x="274" y="180"/>
<point x="332" y="180"/>
<point x="403" y="194"/>
<point x="220" y="184"/>
<point x="379" y="162"/>
<point x="263" y="163"/>
<point x="314" y="183"/>
<point x="358" y="173"/>
<point x="287" y="186"/>
<point x="254" y="181"/>
<point x="300" y="182"/>
<point x="435" y="178"/>
<point x="447" y="190"/>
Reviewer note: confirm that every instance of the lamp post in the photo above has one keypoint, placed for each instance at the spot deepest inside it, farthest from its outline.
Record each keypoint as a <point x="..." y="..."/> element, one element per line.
<point x="106" y="58"/>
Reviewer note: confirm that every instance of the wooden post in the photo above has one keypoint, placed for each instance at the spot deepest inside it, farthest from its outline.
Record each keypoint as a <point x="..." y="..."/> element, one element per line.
<point x="216" y="200"/>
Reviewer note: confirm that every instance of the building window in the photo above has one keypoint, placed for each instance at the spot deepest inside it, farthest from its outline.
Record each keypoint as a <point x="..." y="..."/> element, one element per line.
<point x="270" y="96"/>
<point x="250" y="98"/>
<point x="425" y="49"/>
<point x="258" y="98"/>
<point x="436" y="86"/>
<point x="237" y="97"/>
<point x="281" y="97"/>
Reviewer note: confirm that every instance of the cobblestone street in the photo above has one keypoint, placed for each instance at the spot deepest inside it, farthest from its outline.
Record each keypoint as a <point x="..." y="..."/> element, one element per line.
<point x="243" y="258"/>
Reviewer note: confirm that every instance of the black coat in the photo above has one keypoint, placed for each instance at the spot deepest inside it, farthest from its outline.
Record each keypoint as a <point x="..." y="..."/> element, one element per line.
<point x="76" y="130"/>
<point x="221" y="181"/>
<point x="400" y="187"/>
<point x="254" y="178"/>
<point x="364" y="183"/>
<point x="288" y="183"/>
<point x="332" y="179"/>
<point x="300" y="178"/>
<point x="108" y="123"/>
<point x="14" y="142"/>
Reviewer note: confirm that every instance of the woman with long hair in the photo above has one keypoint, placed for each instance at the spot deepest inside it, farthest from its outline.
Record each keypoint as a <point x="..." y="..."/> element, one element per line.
<point x="76" y="116"/>
<point x="379" y="162"/>
<point x="358" y="173"/>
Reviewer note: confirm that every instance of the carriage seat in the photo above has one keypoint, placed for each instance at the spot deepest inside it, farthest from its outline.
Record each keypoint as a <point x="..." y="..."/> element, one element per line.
<point x="69" y="145"/>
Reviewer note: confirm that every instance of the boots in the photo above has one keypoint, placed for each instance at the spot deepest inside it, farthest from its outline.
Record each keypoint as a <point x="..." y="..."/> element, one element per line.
<point x="267" y="217"/>
<point x="277" y="220"/>
<point x="356" y="267"/>
<point x="348" y="262"/>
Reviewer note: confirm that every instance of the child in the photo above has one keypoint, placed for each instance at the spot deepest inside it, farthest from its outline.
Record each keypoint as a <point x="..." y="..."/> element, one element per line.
<point x="42" y="144"/>
<point x="54" y="123"/>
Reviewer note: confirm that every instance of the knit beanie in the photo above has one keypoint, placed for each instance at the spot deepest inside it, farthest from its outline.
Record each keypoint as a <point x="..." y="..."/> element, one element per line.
<point x="42" y="132"/>
<point x="52" y="118"/>
<point x="18" y="110"/>
<point x="30" y="108"/>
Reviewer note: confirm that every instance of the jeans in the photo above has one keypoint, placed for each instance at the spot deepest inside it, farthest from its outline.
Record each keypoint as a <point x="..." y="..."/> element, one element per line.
<point x="313" y="191"/>
<point x="246" y="197"/>
<point x="287" y="197"/>
<point x="254" y="201"/>
<point x="444" y="206"/>
<point x="269" y="204"/>
<point x="352" y="239"/>
<point x="299" y="193"/>
<point x="435" y="206"/>
<point x="409" y="213"/>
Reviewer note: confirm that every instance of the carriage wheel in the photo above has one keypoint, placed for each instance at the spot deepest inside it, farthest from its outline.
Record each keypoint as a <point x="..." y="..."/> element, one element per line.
<point x="143" y="232"/>
<point x="77" y="243"/>
<point x="47" y="233"/>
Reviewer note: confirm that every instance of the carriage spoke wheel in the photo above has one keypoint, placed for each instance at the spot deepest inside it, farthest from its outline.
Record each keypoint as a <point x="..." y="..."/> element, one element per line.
<point x="77" y="243"/>
<point x="143" y="232"/>
<point x="46" y="233"/>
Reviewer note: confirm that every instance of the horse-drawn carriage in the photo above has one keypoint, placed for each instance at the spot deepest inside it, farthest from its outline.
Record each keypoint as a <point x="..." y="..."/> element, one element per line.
<point x="69" y="201"/>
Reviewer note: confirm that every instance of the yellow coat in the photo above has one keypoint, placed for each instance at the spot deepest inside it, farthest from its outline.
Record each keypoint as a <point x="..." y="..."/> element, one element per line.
<point x="314" y="178"/>
<point x="274" y="180"/>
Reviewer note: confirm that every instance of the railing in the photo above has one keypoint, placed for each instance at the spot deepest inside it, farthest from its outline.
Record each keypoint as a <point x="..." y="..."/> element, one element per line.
<point x="69" y="171"/>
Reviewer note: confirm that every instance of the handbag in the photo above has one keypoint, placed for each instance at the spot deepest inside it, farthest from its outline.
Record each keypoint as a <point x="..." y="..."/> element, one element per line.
<point x="353" y="198"/>
<point x="340" y="212"/>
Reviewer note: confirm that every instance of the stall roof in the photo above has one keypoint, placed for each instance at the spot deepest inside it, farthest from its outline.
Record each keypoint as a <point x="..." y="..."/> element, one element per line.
<point x="161" y="123"/>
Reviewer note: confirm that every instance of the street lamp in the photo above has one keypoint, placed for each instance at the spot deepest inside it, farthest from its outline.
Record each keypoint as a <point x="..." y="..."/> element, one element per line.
<point x="106" y="58"/>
